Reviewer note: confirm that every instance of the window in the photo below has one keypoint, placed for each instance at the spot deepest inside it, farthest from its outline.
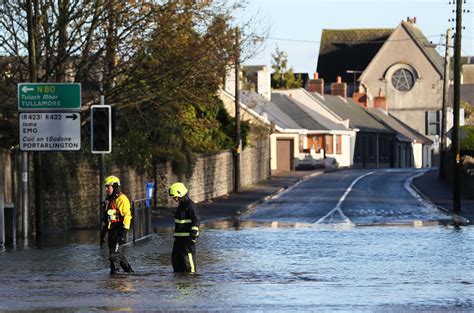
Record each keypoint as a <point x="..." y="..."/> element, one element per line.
<point x="403" y="79"/>
<point x="317" y="143"/>
<point x="433" y="122"/>
<point x="301" y="142"/>
<point x="338" y="144"/>
<point x="329" y="144"/>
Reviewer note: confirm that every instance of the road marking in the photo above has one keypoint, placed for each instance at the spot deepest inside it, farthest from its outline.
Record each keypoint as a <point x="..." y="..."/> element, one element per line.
<point x="337" y="208"/>
<point x="416" y="195"/>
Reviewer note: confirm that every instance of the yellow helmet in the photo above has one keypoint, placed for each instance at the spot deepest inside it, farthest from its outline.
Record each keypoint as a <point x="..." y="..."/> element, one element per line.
<point x="177" y="190"/>
<point x="111" y="180"/>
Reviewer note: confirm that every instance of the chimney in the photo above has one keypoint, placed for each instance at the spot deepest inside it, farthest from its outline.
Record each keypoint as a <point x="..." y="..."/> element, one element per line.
<point x="411" y="20"/>
<point x="339" y="88"/>
<point x="360" y="98"/>
<point x="381" y="101"/>
<point x="316" y="84"/>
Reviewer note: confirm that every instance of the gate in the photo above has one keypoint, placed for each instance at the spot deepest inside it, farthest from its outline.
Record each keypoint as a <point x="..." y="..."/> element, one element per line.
<point x="141" y="221"/>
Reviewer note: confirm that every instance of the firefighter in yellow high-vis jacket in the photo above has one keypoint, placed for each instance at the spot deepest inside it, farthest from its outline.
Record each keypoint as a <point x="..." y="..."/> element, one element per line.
<point x="118" y="217"/>
<point x="186" y="230"/>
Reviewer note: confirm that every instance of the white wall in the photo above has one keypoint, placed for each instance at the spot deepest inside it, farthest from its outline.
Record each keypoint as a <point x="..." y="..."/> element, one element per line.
<point x="273" y="146"/>
<point x="344" y="159"/>
<point x="417" y="149"/>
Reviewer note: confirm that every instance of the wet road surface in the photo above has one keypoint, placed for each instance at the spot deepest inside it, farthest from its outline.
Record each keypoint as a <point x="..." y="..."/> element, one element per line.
<point x="302" y="251"/>
<point x="359" y="197"/>
<point x="325" y="267"/>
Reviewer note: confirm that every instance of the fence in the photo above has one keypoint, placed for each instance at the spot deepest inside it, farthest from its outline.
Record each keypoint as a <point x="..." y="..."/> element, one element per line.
<point x="141" y="221"/>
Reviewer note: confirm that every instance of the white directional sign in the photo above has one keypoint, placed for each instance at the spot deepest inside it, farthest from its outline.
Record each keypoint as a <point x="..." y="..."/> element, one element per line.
<point x="50" y="131"/>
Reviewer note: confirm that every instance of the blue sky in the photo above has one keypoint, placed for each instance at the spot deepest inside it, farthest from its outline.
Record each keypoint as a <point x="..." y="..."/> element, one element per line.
<point x="295" y="25"/>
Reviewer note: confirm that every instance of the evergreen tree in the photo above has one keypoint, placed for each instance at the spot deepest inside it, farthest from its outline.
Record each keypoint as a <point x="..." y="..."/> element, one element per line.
<point x="283" y="78"/>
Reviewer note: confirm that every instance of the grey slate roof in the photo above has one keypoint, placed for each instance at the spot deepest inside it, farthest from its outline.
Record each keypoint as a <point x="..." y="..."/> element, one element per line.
<point x="348" y="49"/>
<point x="297" y="114"/>
<point x="405" y="132"/>
<point x="307" y="118"/>
<point x="358" y="117"/>
<point x="264" y="107"/>
<point x="288" y="113"/>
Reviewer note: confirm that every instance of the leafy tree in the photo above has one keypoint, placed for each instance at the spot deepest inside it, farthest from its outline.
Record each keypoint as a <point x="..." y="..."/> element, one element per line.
<point x="283" y="78"/>
<point x="468" y="112"/>
<point x="159" y="62"/>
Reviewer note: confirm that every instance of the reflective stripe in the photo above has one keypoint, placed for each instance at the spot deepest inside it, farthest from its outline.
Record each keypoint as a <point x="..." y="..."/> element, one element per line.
<point x="191" y="262"/>
<point x="195" y="228"/>
<point x="182" y="234"/>
<point x="182" y="221"/>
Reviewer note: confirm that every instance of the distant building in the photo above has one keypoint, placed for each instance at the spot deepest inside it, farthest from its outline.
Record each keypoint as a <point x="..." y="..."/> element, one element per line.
<point x="398" y="62"/>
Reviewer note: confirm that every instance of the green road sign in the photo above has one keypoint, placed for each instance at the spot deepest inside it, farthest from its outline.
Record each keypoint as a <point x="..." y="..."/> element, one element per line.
<point x="49" y="96"/>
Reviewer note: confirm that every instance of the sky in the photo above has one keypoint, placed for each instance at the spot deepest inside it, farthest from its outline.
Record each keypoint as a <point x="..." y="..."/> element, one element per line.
<point x="295" y="26"/>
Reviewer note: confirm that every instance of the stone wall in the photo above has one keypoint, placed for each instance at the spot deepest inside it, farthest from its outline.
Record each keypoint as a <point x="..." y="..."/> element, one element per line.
<point x="72" y="201"/>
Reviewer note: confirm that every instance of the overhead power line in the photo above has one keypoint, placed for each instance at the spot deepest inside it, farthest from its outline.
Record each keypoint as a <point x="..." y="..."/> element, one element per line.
<point x="375" y="41"/>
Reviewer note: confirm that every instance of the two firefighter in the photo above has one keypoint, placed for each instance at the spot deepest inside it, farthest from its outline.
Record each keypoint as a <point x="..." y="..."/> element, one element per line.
<point x="117" y="217"/>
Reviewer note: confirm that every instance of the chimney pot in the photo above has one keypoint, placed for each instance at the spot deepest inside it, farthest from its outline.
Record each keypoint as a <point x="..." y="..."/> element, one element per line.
<point x="316" y="75"/>
<point x="338" y="79"/>
<point x="381" y="94"/>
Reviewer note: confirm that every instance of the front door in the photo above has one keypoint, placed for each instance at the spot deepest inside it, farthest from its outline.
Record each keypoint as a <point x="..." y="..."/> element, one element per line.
<point x="284" y="154"/>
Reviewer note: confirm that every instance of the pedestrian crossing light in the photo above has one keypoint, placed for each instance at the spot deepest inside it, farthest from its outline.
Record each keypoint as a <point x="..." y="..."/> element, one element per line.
<point x="101" y="129"/>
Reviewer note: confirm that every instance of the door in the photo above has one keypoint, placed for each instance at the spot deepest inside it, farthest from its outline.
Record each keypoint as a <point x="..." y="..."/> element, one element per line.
<point x="284" y="154"/>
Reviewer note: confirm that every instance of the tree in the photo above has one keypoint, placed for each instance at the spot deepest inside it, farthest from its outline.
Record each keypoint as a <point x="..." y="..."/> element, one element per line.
<point x="283" y="78"/>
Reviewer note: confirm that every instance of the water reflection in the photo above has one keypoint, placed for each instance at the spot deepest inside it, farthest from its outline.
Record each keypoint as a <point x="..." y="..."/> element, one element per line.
<point x="274" y="266"/>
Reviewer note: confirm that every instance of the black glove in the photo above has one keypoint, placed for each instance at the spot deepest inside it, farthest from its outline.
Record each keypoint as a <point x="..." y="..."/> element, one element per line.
<point x="122" y="239"/>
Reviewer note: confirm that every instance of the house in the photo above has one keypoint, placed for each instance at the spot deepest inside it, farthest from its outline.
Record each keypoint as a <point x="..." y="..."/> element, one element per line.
<point x="323" y="138"/>
<point x="418" y="151"/>
<point x="398" y="62"/>
<point x="333" y="138"/>
<point x="374" y="142"/>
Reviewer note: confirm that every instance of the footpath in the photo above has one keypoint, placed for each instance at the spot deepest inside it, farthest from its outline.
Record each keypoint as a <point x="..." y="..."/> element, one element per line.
<point x="440" y="193"/>
<point x="228" y="208"/>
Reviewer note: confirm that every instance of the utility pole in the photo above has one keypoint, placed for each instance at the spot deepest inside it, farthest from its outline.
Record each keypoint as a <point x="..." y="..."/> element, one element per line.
<point x="446" y="82"/>
<point x="32" y="8"/>
<point x="238" y="140"/>
<point x="456" y="105"/>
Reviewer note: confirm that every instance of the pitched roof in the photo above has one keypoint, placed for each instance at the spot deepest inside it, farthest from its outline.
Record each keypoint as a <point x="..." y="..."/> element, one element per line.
<point x="424" y="44"/>
<point x="266" y="108"/>
<point x="285" y="104"/>
<point x="405" y="132"/>
<point x="358" y="117"/>
<point x="348" y="49"/>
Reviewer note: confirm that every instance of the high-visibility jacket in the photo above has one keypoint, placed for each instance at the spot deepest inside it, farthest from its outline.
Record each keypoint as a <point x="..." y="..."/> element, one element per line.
<point x="118" y="210"/>
<point x="186" y="219"/>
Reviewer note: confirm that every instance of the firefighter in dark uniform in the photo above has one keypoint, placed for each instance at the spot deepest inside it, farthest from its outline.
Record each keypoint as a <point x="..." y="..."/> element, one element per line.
<point x="118" y="216"/>
<point x="186" y="230"/>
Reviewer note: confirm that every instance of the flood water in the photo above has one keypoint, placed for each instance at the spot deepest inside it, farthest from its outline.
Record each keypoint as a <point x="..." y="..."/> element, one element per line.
<point x="324" y="268"/>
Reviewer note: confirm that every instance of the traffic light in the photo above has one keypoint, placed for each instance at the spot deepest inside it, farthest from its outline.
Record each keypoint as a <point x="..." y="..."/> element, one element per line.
<point x="101" y="129"/>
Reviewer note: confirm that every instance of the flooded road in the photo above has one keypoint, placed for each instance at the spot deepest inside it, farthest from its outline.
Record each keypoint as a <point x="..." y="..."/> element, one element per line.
<point x="318" y="268"/>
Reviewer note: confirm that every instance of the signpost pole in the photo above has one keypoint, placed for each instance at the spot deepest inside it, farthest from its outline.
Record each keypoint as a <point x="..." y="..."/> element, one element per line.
<point x="101" y="166"/>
